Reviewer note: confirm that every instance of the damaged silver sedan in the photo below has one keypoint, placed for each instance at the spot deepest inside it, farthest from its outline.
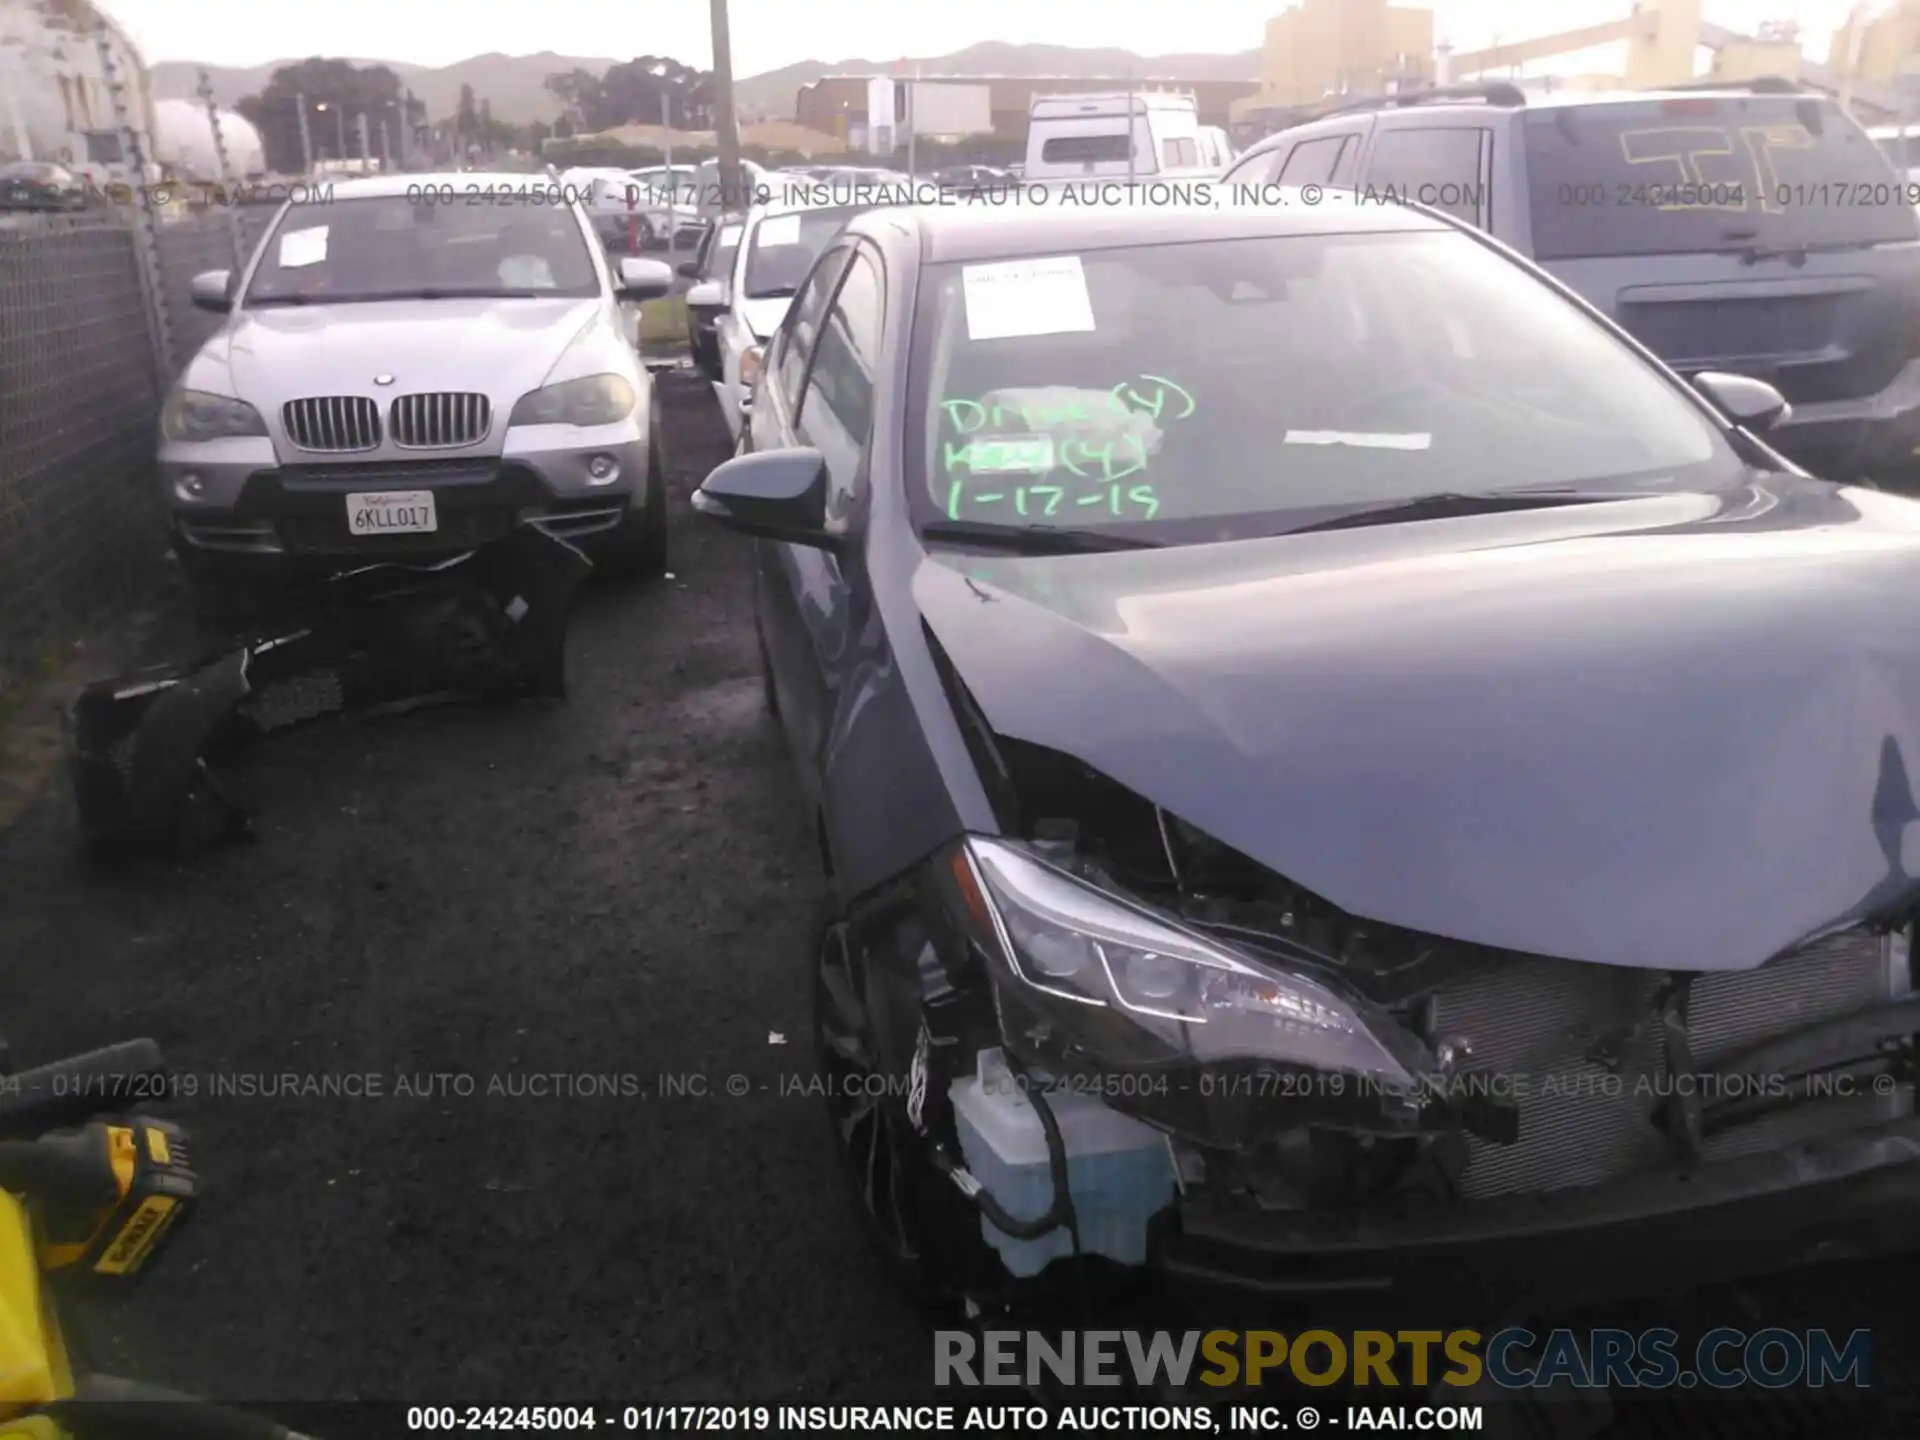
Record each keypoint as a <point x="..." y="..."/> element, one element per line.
<point x="1336" y="769"/>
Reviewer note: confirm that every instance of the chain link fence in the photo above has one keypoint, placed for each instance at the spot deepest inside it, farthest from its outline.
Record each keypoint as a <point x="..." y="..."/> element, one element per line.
<point x="82" y="528"/>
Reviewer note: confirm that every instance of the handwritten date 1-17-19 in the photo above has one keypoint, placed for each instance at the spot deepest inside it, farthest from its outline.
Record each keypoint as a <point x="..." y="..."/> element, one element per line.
<point x="1043" y="500"/>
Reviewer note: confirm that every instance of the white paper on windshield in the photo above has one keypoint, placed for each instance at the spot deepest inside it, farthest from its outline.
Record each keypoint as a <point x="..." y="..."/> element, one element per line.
<point x="780" y="230"/>
<point x="1355" y="437"/>
<point x="1027" y="297"/>
<point x="730" y="235"/>
<point x="303" y="247"/>
<point x="1006" y="455"/>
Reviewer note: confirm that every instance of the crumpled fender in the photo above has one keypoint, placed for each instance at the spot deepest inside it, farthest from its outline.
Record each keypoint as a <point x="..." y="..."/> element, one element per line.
<point x="488" y="626"/>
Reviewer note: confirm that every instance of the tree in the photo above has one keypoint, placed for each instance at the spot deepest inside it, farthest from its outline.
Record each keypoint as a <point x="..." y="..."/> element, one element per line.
<point x="275" y="112"/>
<point x="631" y="93"/>
<point x="576" y="90"/>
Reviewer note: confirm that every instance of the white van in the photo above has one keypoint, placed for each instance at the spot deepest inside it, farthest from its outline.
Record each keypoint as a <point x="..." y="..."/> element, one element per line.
<point x="1148" y="134"/>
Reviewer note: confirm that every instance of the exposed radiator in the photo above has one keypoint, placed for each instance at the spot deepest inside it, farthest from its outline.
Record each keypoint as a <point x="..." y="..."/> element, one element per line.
<point x="1580" y="1049"/>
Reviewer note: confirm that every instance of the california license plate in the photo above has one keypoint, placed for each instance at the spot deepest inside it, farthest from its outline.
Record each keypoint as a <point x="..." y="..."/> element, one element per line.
<point x="392" y="512"/>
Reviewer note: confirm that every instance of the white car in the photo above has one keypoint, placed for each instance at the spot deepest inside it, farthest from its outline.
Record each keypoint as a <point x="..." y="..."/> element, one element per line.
<point x="403" y="374"/>
<point x="667" y="202"/>
<point x="779" y="243"/>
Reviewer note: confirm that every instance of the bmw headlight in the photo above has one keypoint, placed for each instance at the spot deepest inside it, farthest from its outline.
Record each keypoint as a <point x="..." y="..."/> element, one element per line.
<point x="191" y="415"/>
<point x="1130" y="988"/>
<point x="594" y="400"/>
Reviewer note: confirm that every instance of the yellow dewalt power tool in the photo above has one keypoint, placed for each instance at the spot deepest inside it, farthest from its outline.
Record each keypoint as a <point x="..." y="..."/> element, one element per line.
<point x="89" y="1191"/>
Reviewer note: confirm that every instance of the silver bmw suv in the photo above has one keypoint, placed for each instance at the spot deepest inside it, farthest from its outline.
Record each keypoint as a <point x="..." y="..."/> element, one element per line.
<point x="408" y="369"/>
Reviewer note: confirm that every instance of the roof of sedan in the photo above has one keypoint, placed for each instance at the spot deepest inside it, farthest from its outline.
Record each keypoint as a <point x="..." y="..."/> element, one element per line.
<point x="988" y="231"/>
<point x="462" y="182"/>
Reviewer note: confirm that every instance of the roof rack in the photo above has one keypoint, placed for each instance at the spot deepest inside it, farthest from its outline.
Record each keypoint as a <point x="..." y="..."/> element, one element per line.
<point x="1759" y="85"/>
<point x="1495" y="92"/>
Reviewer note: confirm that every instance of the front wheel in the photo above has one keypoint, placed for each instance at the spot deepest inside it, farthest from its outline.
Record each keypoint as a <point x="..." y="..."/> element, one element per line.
<point x="880" y="1158"/>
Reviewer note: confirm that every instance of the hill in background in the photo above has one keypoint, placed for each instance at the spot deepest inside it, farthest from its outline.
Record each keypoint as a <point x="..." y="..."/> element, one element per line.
<point x="516" y="84"/>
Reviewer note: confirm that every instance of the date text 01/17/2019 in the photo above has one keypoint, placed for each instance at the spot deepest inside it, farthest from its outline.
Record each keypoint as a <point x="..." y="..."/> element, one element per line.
<point x="673" y="1419"/>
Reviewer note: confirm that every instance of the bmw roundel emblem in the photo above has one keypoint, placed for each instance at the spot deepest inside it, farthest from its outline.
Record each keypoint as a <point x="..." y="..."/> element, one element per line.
<point x="383" y="379"/>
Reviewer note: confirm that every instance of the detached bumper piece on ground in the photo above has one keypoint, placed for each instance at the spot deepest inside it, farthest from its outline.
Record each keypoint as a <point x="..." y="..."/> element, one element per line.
<point x="143" y="749"/>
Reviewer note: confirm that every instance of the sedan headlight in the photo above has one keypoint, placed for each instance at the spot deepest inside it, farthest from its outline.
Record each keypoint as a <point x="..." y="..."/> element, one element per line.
<point x="1138" y="990"/>
<point x="594" y="400"/>
<point x="197" y="415"/>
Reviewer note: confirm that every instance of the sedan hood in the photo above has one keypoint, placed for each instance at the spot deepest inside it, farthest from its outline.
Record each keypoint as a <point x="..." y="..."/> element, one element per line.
<point x="1669" y="733"/>
<point x="501" y="348"/>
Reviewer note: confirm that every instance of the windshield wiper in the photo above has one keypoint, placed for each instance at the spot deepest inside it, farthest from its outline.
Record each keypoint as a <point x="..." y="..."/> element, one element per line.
<point x="1033" y="539"/>
<point x="1447" y="504"/>
<point x="1754" y="252"/>
<point x="383" y="296"/>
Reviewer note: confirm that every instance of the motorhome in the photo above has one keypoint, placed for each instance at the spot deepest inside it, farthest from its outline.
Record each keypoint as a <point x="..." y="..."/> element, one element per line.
<point x="1146" y="134"/>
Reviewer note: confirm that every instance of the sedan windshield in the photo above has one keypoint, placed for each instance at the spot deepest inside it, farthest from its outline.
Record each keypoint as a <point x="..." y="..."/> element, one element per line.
<point x="784" y="247"/>
<point x="422" y="247"/>
<point x="1223" y="389"/>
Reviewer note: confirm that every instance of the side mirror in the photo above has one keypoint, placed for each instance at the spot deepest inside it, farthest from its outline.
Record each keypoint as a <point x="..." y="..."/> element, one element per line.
<point x="707" y="295"/>
<point x="212" y="290"/>
<point x="642" y="279"/>
<point x="1753" y="404"/>
<point x="771" y="494"/>
<point x="689" y="269"/>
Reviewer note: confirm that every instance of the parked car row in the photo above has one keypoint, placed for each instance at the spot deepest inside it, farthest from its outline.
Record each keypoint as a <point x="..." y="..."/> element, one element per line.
<point x="1339" y="746"/>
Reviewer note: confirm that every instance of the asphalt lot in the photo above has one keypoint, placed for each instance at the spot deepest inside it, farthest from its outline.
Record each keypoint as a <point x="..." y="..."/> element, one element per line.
<point x="617" y="887"/>
<point x="460" y="903"/>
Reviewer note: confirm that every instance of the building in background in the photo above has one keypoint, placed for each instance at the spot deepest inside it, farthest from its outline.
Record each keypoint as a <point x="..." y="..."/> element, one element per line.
<point x="1333" y="47"/>
<point x="841" y="105"/>
<point x="54" y="104"/>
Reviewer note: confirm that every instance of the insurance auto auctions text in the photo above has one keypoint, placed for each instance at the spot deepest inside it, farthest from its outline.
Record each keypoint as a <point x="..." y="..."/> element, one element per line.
<point x="1108" y="1419"/>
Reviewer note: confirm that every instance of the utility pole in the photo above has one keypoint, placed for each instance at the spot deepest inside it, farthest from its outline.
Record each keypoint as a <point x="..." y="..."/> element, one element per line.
<point x="366" y="146"/>
<point x="229" y="201"/>
<point x="306" y="138"/>
<point x="666" y="132"/>
<point x="726" y="135"/>
<point x="340" y="128"/>
<point x="407" y="137"/>
<point x="386" y="142"/>
<point x="913" y="94"/>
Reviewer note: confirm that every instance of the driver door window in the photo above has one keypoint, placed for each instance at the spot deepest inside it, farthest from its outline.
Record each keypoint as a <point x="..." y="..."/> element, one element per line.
<point x="802" y="326"/>
<point x="836" y="414"/>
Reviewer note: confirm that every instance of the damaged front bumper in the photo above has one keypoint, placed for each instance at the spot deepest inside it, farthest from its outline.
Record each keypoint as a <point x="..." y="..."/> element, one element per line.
<point x="142" y="749"/>
<point x="1852" y="1195"/>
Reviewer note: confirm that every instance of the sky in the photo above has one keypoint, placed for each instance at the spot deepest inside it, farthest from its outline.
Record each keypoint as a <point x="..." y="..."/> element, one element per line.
<point x="767" y="34"/>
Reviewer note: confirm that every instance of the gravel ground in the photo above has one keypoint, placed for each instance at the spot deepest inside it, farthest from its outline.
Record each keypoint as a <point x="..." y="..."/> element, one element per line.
<point x="616" y="887"/>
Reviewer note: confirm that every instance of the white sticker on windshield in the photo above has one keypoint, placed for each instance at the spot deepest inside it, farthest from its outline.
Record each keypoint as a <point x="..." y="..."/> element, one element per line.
<point x="303" y="247"/>
<point x="1004" y="455"/>
<point x="1027" y="297"/>
<point x="779" y="230"/>
<point x="1354" y="437"/>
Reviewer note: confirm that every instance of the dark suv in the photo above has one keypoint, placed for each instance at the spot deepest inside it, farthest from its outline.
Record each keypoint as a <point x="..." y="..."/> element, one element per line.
<point x="1750" y="229"/>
